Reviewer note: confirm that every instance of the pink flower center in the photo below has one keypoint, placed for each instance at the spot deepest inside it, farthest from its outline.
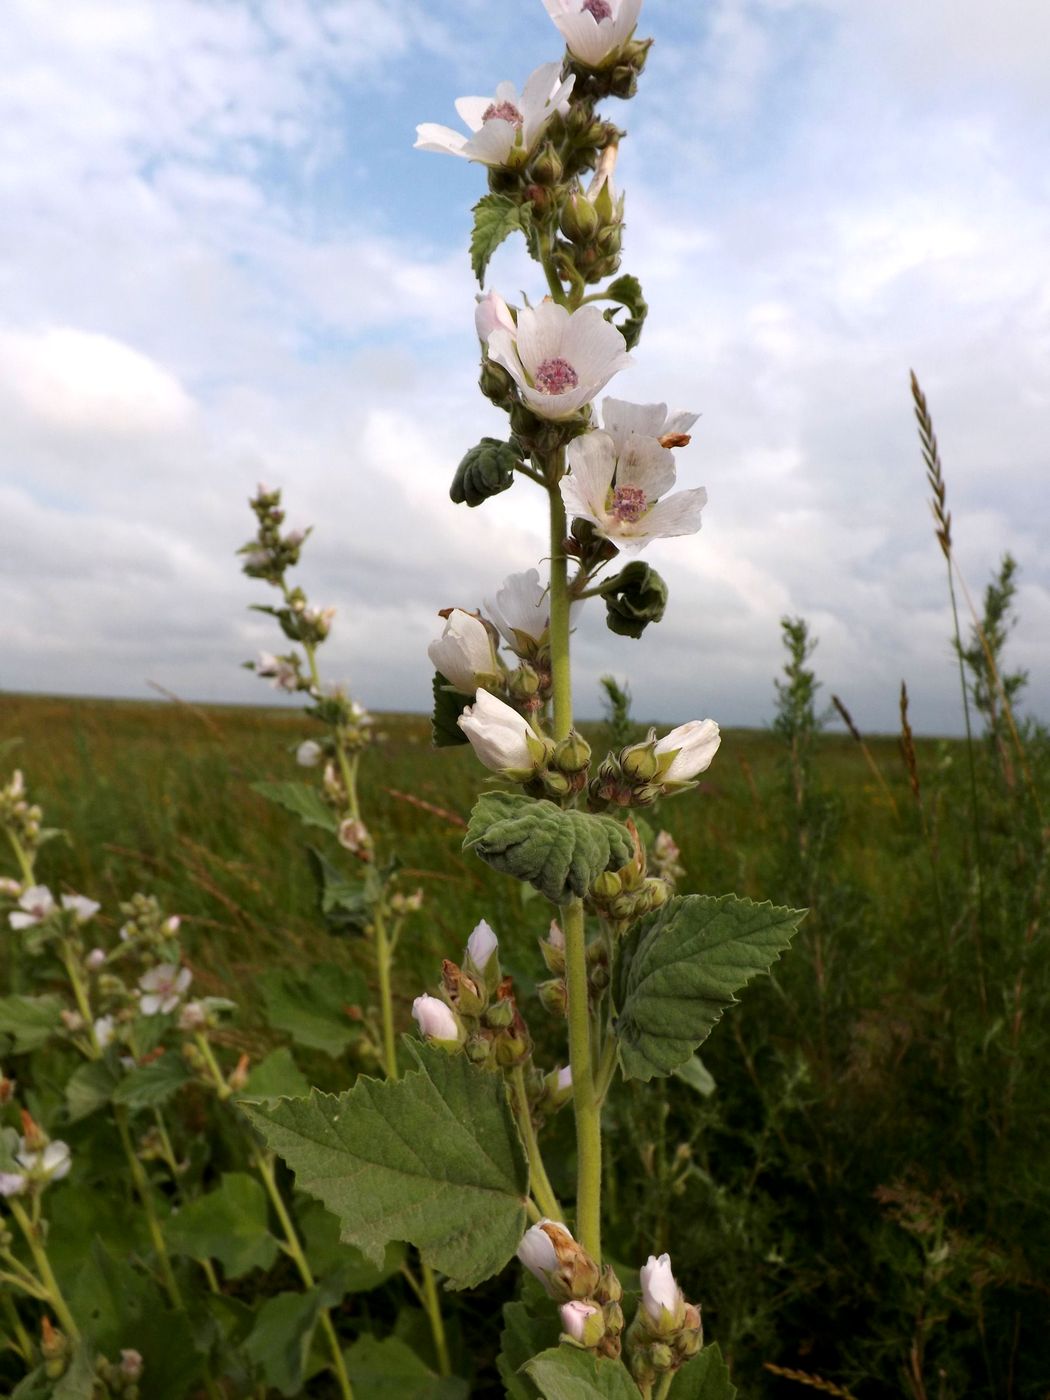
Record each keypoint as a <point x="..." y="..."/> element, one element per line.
<point x="600" y="9"/>
<point x="504" y="111"/>
<point x="556" y="376"/>
<point x="629" y="504"/>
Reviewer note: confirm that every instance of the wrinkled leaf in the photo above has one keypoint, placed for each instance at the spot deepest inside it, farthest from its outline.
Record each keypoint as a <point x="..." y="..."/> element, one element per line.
<point x="316" y="1007"/>
<point x="29" y="1021"/>
<point x="525" y="1334"/>
<point x="230" y="1224"/>
<point x="496" y="217"/>
<point x="682" y="966"/>
<point x="706" y="1377"/>
<point x="89" y="1088"/>
<point x="149" y="1086"/>
<point x="568" y="1373"/>
<point x="302" y="800"/>
<point x="433" y="1159"/>
<point x="627" y="290"/>
<point x="560" y="853"/>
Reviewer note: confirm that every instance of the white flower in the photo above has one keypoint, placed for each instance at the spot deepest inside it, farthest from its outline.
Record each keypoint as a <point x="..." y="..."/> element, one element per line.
<point x="619" y="493"/>
<point x="434" y="1019"/>
<point x="277" y="670"/>
<point x="164" y="986"/>
<point x="481" y="944"/>
<point x="499" y="736"/>
<point x="104" y="1031"/>
<point x="12" y="1183"/>
<point x="308" y="754"/>
<point x="36" y="904"/>
<point x="492" y="313"/>
<point x="559" y="359"/>
<point x="521" y="609"/>
<point x="50" y="1163"/>
<point x="9" y="888"/>
<point x="81" y="906"/>
<point x="651" y="420"/>
<point x="565" y="1078"/>
<point x="95" y="960"/>
<point x="659" y="1289"/>
<point x="693" y="746"/>
<point x="355" y="837"/>
<point x="537" y="1251"/>
<point x="574" y="1317"/>
<point x="506" y="127"/>
<point x="594" y="30"/>
<point x="192" y="1017"/>
<point x="464" y="653"/>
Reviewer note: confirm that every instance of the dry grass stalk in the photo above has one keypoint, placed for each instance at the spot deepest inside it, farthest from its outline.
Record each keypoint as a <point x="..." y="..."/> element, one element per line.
<point x="907" y="743"/>
<point x="451" y="818"/>
<point x="806" y="1378"/>
<point x="869" y="757"/>
<point x="934" y="471"/>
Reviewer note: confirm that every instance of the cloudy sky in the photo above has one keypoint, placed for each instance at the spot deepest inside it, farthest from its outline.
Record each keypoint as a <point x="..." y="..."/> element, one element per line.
<point x="221" y="261"/>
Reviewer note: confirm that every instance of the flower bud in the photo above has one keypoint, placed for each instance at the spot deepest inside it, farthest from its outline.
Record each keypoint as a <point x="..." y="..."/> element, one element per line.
<point x="464" y="653"/>
<point x="500" y="1015"/>
<point x="572" y="754"/>
<point x="238" y="1076"/>
<point x="554" y="996"/>
<point x="192" y="1017"/>
<point x="308" y="754"/>
<point x="687" y="751"/>
<point x="435" y="1021"/>
<point x="564" y="1268"/>
<point x="524" y="682"/>
<point x="639" y="761"/>
<point x="481" y="946"/>
<point x="553" y="949"/>
<point x="557" y="1089"/>
<point x="556" y="784"/>
<point x="607" y="886"/>
<point x="583" y="1322"/>
<point x="356" y="838"/>
<point x="491" y="314"/>
<point x="661" y="1296"/>
<point x="579" y="221"/>
<point x="487" y="469"/>
<point x="131" y="1364"/>
<point x="501" y="738"/>
<point x="95" y="960"/>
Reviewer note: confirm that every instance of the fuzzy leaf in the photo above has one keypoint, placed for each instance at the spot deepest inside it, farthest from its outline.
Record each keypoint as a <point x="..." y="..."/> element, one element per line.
<point x="706" y="1377"/>
<point x="559" y="853"/>
<point x="636" y="596"/>
<point x="344" y="903"/>
<point x="682" y="966"/>
<point x="569" y="1373"/>
<point x="280" y="1340"/>
<point x="449" y="704"/>
<point x="496" y="217"/>
<point x="433" y="1159"/>
<point x="89" y="1088"/>
<point x="525" y="1334"/>
<point x="29" y="1021"/>
<point x="302" y="800"/>
<point x="230" y="1224"/>
<point x="314" y="1007"/>
<point x="627" y="290"/>
<point x="391" y="1370"/>
<point x="696" y="1074"/>
<point x="149" y="1086"/>
<point x="277" y="1077"/>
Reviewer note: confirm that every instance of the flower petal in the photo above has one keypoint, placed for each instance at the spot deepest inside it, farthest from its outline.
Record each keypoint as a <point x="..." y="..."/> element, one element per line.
<point x="677" y="515"/>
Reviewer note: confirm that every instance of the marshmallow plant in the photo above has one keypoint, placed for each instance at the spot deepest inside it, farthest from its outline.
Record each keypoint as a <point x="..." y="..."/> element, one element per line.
<point x="450" y="1157"/>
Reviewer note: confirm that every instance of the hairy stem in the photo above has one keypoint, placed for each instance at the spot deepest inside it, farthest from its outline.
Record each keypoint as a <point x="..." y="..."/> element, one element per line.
<point x="540" y="1182"/>
<point x="34" y="1239"/>
<point x="585" y="1101"/>
<point x="561" y="667"/>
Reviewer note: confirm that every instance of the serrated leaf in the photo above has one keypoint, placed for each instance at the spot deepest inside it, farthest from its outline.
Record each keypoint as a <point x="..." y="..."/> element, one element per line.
<point x="496" y="217"/>
<point x="302" y="800"/>
<point x="277" y="1077"/>
<point x="706" y="1377"/>
<point x="149" y="1086"/>
<point x="89" y="1088"/>
<point x="525" y="1334"/>
<point x="230" y="1224"/>
<point x="316" y="1007"/>
<point x="279" y="1343"/>
<point x="433" y="1159"/>
<point x="29" y="1021"/>
<point x="568" y="1373"/>
<point x="627" y="290"/>
<point x="340" y="1268"/>
<point x="560" y="853"/>
<point x="344" y="903"/>
<point x="449" y="704"/>
<point x="391" y="1370"/>
<point x="682" y="966"/>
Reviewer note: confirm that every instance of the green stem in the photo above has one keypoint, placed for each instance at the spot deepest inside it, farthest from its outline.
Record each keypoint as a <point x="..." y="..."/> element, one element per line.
<point x="585" y="1100"/>
<point x="386" y="1000"/>
<point x="43" y="1267"/>
<point x="561" y="670"/>
<point x="432" y="1304"/>
<point x="82" y="999"/>
<point x="664" y="1388"/>
<point x="543" y="241"/>
<point x="25" y="1346"/>
<point x="145" y="1194"/>
<point x="606" y="1068"/>
<point x="25" y="865"/>
<point x="540" y="1182"/>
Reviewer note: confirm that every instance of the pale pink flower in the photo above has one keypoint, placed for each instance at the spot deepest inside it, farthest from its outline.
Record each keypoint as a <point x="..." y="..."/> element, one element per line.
<point x="163" y="986"/>
<point x="693" y="746"/>
<point x="559" y="360"/>
<point x="506" y="127"/>
<point x="36" y="904"/>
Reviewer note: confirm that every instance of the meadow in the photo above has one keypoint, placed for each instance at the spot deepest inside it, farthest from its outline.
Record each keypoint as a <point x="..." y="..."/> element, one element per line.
<point x="857" y="1181"/>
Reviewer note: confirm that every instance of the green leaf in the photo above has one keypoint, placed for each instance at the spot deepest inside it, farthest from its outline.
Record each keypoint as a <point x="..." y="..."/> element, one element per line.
<point x="496" y="217"/>
<point x="525" y="1335"/>
<point x="568" y="1373"/>
<point x="30" y="1021"/>
<point x="34" y="1386"/>
<point x="230" y="1224"/>
<point x="696" y="1074"/>
<point x="449" y="704"/>
<point x="343" y="901"/>
<point x="560" y="853"/>
<point x="277" y="1077"/>
<point x="78" y="1379"/>
<point x="390" y="1370"/>
<point x="627" y="290"/>
<point x="279" y="1343"/>
<point x="302" y="800"/>
<point x="433" y="1159"/>
<point x="340" y="1268"/>
<point x="149" y="1086"/>
<point x="315" y="1007"/>
<point x="706" y="1377"/>
<point x="89" y="1088"/>
<point x="682" y="966"/>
